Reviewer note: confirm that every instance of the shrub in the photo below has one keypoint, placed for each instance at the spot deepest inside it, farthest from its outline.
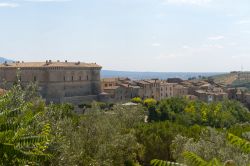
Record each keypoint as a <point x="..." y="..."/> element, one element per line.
<point x="136" y="100"/>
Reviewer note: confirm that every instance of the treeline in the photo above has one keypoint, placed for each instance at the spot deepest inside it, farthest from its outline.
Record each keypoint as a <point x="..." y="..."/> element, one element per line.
<point x="171" y="131"/>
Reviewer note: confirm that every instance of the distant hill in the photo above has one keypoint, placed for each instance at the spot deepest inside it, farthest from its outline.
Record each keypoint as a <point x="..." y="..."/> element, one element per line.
<point x="233" y="79"/>
<point x="150" y="75"/>
<point x="2" y="60"/>
<point x="226" y="79"/>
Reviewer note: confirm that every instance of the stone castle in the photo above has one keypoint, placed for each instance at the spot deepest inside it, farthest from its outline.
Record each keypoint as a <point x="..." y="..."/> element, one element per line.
<point x="57" y="81"/>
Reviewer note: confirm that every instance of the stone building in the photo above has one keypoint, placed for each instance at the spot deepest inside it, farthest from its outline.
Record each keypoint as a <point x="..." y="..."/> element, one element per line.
<point x="155" y="88"/>
<point x="110" y="82"/>
<point x="57" y="81"/>
<point x="210" y="96"/>
<point x="167" y="90"/>
<point x="244" y="76"/>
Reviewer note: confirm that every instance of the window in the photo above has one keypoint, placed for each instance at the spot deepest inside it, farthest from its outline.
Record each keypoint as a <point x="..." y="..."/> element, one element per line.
<point x="106" y="85"/>
<point x="34" y="78"/>
<point x="80" y="78"/>
<point x="87" y="77"/>
<point x="64" y="78"/>
<point x="110" y="84"/>
<point x="72" y="78"/>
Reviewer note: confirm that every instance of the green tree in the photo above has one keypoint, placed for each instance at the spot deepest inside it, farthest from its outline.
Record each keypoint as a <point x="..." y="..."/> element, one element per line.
<point x="22" y="140"/>
<point x="137" y="100"/>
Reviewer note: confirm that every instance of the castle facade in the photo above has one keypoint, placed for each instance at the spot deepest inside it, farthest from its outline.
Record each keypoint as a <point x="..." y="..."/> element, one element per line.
<point x="57" y="81"/>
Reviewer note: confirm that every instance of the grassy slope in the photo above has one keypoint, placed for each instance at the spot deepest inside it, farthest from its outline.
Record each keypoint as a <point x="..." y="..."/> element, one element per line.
<point x="231" y="80"/>
<point x="226" y="79"/>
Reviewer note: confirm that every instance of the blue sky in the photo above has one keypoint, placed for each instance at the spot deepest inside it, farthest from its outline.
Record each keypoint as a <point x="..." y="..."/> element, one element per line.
<point x="133" y="35"/>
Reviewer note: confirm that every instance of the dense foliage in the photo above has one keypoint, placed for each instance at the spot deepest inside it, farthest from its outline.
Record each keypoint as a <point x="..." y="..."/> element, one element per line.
<point x="168" y="132"/>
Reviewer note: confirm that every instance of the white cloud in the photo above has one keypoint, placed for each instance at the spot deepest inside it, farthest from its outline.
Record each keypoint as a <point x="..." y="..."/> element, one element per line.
<point x="188" y="2"/>
<point x="220" y="37"/>
<point x="239" y="56"/>
<point x="166" y="56"/>
<point x="217" y="46"/>
<point x="248" y="32"/>
<point x="156" y="44"/>
<point x="186" y="47"/>
<point x="247" y="21"/>
<point x="9" y="5"/>
<point x="47" y="0"/>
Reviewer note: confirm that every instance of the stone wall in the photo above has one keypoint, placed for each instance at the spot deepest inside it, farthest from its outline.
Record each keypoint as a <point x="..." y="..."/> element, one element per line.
<point x="56" y="83"/>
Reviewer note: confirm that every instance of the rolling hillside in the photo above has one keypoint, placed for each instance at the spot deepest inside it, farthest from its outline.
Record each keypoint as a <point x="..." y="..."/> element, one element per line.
<point x="232" y="80"/>
<point x="226" y="79"/>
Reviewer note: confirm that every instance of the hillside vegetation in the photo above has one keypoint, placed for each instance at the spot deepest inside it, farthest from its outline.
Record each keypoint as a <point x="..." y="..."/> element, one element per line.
<point x="231" y="80"/>
<point x="226" y="79"/>
<point x="177" y="131"/>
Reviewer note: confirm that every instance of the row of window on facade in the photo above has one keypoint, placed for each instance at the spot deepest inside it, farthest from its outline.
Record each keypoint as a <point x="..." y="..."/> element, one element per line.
<point x="64" y="78"/>
<point x="170" y="88"/>
<point x="106" y="85"/>
<point x="167" y="95"/>
<point x="73" y="78"/>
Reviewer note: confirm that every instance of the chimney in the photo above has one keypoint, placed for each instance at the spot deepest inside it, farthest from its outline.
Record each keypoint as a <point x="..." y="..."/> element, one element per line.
<point x="50" y="61"/>
<point x="66" y="61"/>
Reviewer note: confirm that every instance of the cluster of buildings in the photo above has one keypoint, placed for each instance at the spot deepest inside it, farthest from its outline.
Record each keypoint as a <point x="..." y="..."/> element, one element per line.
<point x="78" y="82"/>
<point x="239" y="94"/>
<point x="123" y="89"/>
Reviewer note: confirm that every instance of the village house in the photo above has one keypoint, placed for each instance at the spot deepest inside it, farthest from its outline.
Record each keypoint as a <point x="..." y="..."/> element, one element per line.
<point x="167" y="90"/>
<point x="210" y="96"/>
<point x="239" y="94"/>
<point x="121" y="89"/>
<point x="146" y="91"/>
<point x="155" y="88"/>
<point x="109" y="82"/>
<point x="180" y="91"/>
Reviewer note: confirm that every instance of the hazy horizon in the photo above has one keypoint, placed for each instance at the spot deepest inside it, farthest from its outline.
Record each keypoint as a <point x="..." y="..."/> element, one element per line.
<point x="130" y="35"/>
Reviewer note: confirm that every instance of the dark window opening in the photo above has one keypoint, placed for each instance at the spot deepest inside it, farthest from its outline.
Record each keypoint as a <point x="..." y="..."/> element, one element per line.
<point x="87" y="77"/>
<point x="72" y="78"/>
<point x="34" y="78"/>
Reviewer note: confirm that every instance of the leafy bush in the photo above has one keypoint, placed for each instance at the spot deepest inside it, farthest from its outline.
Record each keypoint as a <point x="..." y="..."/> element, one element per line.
<point x="137" y="100"/>
<point x="22" y="140"/>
